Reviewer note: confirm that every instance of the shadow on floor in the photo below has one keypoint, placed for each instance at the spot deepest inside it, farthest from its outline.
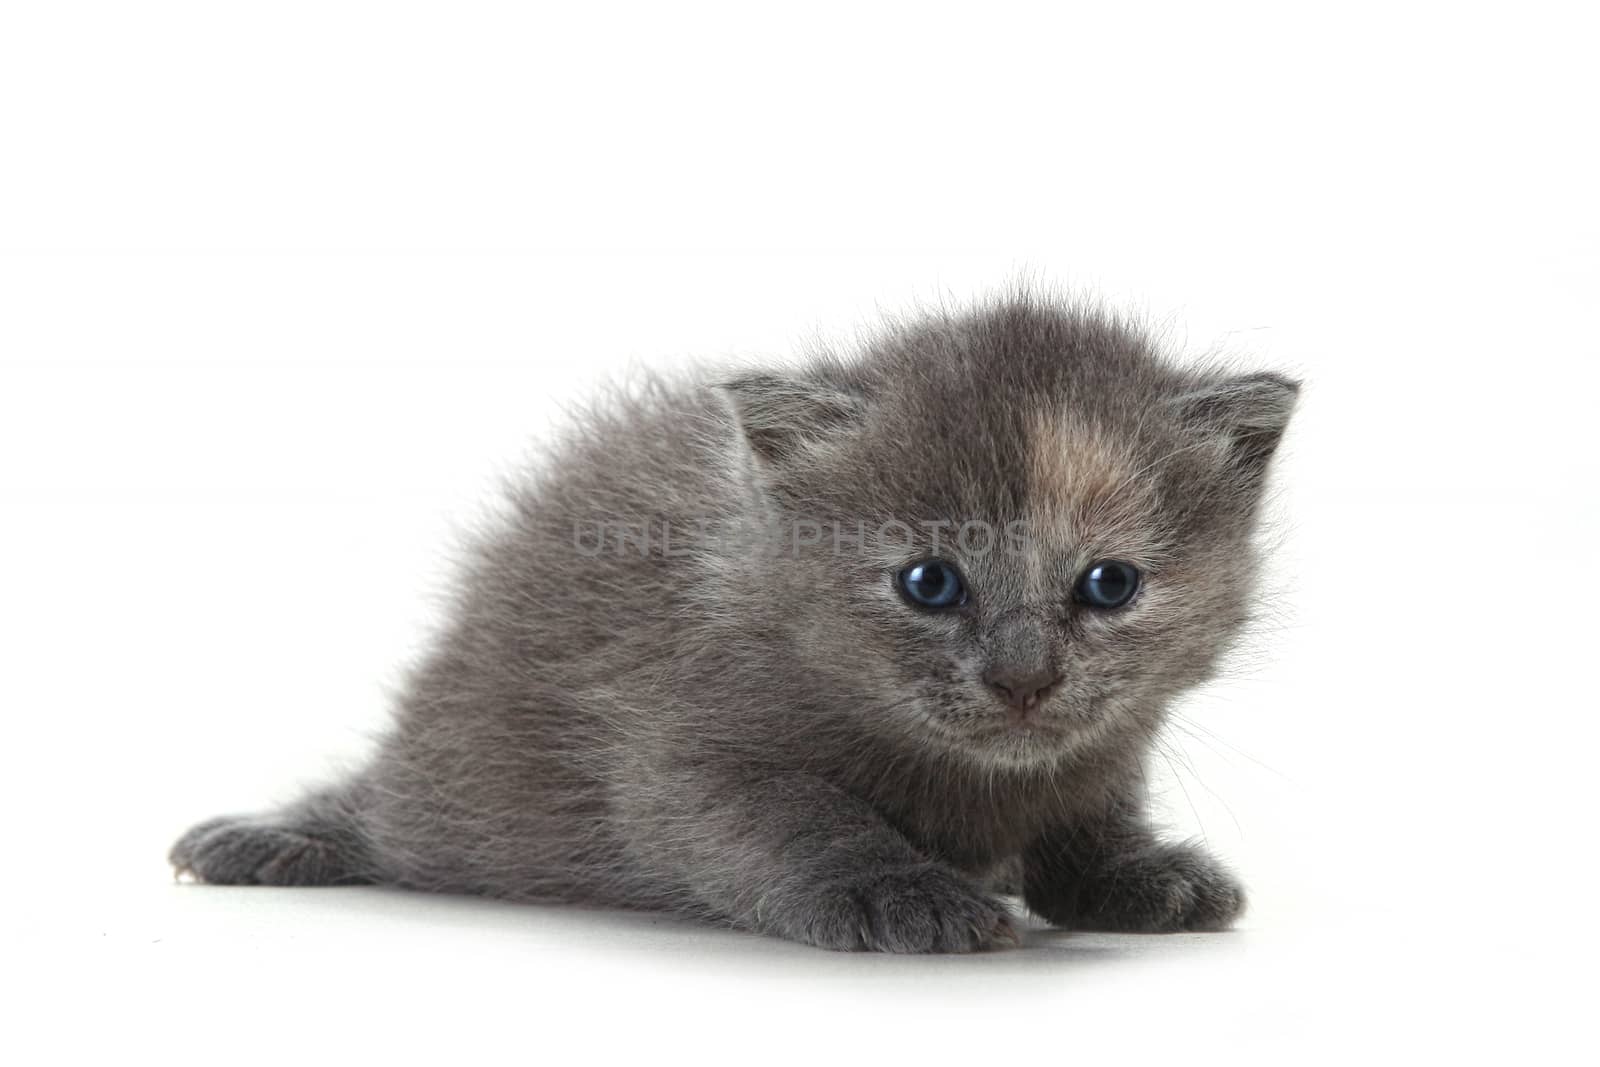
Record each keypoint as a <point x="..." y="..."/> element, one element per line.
<point x="664" y="938"/>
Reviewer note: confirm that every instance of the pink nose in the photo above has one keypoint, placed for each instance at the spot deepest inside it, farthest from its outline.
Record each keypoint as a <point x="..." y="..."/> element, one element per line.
<point x="1021" y="689"/>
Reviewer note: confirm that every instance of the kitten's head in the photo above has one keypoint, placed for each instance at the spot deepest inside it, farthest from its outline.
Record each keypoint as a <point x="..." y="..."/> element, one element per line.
<point x="1030" y="531"/>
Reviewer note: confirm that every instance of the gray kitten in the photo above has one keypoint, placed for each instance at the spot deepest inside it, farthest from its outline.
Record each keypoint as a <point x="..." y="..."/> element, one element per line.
<point x="830" y="653"/>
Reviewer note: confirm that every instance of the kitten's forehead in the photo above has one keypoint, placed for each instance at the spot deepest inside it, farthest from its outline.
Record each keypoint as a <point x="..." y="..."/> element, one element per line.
<point x="1086" y="485"/>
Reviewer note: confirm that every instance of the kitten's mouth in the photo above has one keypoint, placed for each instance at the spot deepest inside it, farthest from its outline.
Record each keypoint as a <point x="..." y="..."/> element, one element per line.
<point x="1024" y="720"/>
<point x="1047" y="723"/>
<point x="1043" y="731"/>
<point x="1028" y="725"/>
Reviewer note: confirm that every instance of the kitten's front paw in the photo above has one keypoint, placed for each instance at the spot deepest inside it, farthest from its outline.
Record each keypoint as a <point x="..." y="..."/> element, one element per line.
<point x="924" y="907"/>
<point x="243" y="850"/>
<point x="1167" y="889"/>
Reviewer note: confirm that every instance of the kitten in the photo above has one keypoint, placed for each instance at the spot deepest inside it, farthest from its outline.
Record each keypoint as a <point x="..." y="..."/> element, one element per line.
<point x="825" y="652"/>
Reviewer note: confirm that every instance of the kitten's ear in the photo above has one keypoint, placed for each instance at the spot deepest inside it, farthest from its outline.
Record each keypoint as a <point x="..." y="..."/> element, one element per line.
<point x="1246" y="416"/>
<point x="783" y="417"/>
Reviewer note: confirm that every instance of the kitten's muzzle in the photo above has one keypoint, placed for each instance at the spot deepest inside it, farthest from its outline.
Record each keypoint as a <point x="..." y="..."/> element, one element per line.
<point x="1022" y="665"/>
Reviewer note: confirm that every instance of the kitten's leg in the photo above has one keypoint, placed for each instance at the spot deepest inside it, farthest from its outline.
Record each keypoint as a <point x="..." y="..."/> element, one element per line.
<point x="1117" y="876"/>
<point x="316" y="841"/>
<point x="800" y="859"/>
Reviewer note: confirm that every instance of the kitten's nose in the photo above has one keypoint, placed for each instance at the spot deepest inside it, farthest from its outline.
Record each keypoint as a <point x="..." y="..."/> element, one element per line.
<point x="1021" y="688"/>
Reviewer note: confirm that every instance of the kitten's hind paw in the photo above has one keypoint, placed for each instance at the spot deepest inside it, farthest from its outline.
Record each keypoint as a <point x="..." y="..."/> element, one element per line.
<point x="921" y="908"/>
<point x="247" y="850"/>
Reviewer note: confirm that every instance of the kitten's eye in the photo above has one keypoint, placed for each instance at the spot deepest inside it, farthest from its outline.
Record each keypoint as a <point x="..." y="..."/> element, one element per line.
<point x="933" y="583"/>
<point x="1108" y="584"/>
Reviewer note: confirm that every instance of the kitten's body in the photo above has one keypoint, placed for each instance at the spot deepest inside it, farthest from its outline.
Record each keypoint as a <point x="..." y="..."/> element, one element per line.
<point x="769" y="735"/>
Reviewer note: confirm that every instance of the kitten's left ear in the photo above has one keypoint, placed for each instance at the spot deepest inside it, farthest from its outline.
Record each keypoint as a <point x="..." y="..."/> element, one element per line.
<point x="1246" y="416"/>
<point x="784" y="417"/>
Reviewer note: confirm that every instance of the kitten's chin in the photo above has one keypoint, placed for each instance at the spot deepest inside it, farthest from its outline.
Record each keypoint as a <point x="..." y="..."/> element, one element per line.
<point x="1016" y="748"/>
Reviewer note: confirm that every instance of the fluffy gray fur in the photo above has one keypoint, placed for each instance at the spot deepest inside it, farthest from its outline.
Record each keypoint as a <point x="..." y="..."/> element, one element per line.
<point x="777" y="739"/>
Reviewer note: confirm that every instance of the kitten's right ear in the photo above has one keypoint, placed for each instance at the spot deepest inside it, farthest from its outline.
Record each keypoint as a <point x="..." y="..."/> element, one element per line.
<point x="783" y="418"/>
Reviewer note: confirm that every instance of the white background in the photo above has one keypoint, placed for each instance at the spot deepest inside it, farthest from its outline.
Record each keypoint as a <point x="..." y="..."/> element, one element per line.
<point x="284" y="289"/>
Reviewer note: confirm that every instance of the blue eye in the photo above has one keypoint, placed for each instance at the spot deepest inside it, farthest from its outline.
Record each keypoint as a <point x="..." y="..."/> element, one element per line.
<point x="1108" y="584"/>
<point x="933" y="583"/>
